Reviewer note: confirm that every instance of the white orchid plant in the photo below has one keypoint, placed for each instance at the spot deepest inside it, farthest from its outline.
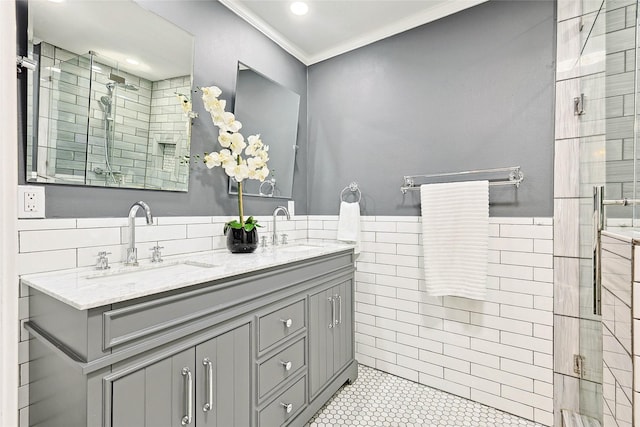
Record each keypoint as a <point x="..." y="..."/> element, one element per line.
<point x="240" y="159"/>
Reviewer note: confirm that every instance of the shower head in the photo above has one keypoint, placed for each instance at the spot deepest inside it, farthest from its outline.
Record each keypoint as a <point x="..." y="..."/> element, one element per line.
<point x="105" y="106"/>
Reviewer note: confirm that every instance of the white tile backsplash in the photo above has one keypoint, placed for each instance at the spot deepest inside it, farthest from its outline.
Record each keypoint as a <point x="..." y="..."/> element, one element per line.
<point x="494" y="351"/>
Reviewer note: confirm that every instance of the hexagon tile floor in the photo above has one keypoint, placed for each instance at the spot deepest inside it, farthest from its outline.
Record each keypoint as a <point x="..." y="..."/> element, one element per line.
<point x="380" y="399"/>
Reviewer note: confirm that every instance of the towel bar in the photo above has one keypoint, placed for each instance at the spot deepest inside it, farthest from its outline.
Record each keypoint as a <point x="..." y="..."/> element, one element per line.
<point x="516" y="176"/>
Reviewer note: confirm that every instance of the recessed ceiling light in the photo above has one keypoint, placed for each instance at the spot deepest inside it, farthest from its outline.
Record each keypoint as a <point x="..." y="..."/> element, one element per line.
<point x="56" y="1"/>
<point x="299" y="8"/>
<point x="132" y="61"/>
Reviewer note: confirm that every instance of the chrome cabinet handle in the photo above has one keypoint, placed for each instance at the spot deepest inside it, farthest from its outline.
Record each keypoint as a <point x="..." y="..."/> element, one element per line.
<point x="208" y="406"/>
<point x="188" y="396"/>
<point x="339" y="309"/>
<point x="287" y="365"/>
<point x="333" y="311"/>
<point x="287" y="322"/>
<point x="287" y="407"/>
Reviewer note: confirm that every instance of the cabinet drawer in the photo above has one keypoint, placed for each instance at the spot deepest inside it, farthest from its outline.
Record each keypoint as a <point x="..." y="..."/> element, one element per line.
<point x="274" y="370"/>
<point x="275" y="326"/>
<point x="285" y="406"/>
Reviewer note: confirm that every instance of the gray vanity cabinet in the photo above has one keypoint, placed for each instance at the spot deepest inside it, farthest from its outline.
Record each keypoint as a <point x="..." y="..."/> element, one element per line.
<point x="259" y="349"/>
<point x="204" y="386"/>
<point x="330" y="334"/>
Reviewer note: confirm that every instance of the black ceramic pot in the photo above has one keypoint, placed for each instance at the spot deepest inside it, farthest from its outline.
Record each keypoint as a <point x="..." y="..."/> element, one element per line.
<point x="240" y="241"/>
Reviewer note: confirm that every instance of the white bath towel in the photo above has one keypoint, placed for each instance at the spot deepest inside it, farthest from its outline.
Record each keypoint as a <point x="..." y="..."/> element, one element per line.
<point x="455" y="238"/>
<point x="349" y="224"/>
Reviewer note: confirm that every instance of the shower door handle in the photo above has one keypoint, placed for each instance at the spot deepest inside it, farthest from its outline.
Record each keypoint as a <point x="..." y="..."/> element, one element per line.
<point x="598" y="225"/>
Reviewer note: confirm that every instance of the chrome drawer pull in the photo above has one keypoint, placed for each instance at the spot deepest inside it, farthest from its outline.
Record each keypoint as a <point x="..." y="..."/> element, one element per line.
<point x="287" y="365"/>
<point x="333" y="312"/>
<point x="287" y="407"/>
<point x="208" y="406"/>
<point x="287" y="322"/>
<point x="188" y="396"/>
<point x="340" y="309"/>
<point x="335" y="320"/>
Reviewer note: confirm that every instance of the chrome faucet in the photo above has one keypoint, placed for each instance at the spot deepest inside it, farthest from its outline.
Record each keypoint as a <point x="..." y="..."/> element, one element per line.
<point x="274" y="235"/>
<point x="132" y="252"/>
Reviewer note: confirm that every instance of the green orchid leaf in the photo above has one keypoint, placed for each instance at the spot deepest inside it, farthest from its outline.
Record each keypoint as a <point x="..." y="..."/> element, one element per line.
<point x="231" y="224"/>
<point x="249" y="227"/>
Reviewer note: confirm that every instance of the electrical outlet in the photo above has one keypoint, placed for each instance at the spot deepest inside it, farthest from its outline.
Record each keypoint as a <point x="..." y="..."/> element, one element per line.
<point x="30" y="201"/>
<point x="291" y="207"/>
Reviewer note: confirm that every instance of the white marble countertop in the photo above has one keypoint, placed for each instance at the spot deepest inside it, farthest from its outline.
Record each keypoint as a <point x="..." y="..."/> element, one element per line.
<point x="85" y="288"/>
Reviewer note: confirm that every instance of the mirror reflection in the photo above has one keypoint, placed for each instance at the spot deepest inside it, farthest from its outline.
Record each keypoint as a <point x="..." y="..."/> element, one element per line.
<point x="107" y="105"/>
<point x="270" y="109"/>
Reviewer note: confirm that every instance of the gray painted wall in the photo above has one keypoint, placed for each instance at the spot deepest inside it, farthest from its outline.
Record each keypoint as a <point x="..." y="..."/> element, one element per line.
<point x="222" y="39"/>
<point x="473" y="90"/>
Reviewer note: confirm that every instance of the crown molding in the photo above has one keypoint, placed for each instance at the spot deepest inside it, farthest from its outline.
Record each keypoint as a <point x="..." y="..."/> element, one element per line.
<point x="415" y="20"/>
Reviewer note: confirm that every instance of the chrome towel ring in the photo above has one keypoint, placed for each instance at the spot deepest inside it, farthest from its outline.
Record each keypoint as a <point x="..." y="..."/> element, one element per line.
<point x="353" y="187"/>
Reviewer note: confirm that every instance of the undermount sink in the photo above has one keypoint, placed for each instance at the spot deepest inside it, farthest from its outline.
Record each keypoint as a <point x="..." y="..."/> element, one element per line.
<point x="166" y="268"/>
<point x="295" y="247"/>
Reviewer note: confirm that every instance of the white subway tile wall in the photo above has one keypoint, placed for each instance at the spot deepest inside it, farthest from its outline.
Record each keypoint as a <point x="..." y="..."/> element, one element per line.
<point x="496" y="352"/>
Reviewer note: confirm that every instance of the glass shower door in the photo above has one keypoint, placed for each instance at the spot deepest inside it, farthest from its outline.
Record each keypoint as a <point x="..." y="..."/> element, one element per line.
<point x="593" y="110"/>
<point x="608" y="160"/>
<point x="63" y="113"/>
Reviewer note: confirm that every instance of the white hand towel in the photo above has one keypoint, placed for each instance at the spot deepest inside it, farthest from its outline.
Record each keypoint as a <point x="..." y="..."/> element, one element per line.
<point x="455" y="238"/>
<point x="349" y="224"/>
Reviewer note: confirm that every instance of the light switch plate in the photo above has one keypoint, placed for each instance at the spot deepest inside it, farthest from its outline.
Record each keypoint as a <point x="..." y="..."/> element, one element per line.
<point x="291" y="207"/>
<point x="31" y="201"/>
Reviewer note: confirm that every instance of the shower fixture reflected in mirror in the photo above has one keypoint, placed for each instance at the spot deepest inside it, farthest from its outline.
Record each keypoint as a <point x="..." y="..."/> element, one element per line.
<point x="96" y="117"/>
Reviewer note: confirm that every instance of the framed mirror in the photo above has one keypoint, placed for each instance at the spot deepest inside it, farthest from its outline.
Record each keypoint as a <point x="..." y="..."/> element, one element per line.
<point x="109" y="101"/>
<point x="266" y="107"/>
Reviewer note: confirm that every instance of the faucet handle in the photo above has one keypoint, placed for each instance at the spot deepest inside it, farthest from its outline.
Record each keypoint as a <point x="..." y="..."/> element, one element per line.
<point x="284" y="238"/>
<point x="156" y="256"/>
<point x="263" y="242"/>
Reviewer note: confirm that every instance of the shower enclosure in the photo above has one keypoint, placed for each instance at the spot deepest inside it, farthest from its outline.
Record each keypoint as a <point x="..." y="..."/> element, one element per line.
<point x="99" y="125"/>
<point x="596" y="147"/>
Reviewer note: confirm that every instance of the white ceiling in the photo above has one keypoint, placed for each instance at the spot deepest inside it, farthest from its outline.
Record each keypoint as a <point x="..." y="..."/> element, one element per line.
<point x="333" y="27"/>
<point x="116" y="30"/>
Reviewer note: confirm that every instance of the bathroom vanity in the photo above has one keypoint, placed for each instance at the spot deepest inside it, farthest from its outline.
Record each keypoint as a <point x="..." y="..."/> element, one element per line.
<point x="261" y="339"/>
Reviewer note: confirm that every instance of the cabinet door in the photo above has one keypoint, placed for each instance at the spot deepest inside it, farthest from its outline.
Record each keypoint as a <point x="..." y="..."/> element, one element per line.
<point x="343" y="330"/>
<point x="156" y="395"/>
<point x="320" y="340"/>
<point x="222" y="377"/>
<point x="330" y="333"/>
